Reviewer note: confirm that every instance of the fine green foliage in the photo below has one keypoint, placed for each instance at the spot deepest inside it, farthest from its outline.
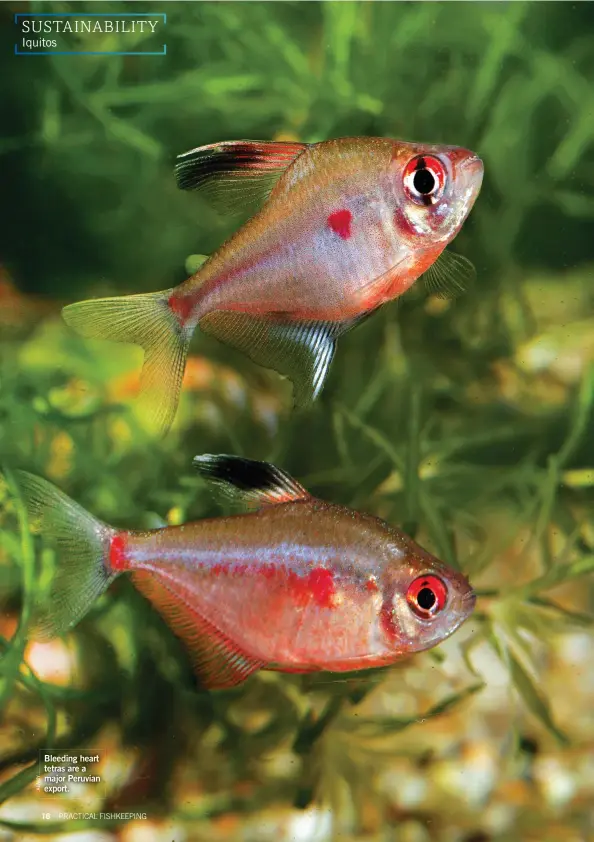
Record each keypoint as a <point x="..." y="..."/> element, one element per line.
<point x="467" y="423"/>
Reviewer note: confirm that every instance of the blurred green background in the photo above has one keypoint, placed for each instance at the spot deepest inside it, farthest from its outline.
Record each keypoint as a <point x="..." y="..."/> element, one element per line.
<point x="468" y="423"/>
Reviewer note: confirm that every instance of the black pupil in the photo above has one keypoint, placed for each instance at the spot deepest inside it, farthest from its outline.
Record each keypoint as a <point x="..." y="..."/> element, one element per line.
<point x="426" y="599"/>
<point x="424" y="181"/>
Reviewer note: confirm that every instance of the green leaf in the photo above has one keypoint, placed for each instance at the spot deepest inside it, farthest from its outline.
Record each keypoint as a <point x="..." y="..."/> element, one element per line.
<point x="577" y="618"/>
<point x="380" y="726"/>
<point x="194" y="262"/>
<point x="533" y="698"/>
<point x="581" y="414"/>
<point x="557" y="575"/>
<point x="412" y="462"/>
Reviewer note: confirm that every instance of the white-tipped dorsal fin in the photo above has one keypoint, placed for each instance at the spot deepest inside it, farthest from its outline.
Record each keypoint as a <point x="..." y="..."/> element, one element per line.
<point x="248" y="481"/>
<point x="236" y="174"/>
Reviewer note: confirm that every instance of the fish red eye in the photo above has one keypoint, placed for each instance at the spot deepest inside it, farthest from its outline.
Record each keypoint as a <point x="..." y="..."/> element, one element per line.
<point x="427" y="595"/>
<point x="424" y="179"/>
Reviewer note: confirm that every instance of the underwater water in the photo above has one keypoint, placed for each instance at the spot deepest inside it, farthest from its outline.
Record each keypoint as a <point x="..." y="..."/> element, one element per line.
<point x="465" y="422"/>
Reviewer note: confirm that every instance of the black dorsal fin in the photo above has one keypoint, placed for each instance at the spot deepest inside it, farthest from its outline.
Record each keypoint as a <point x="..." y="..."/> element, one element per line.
<point x="235" y="174"/>
<point x="248" y="481"/>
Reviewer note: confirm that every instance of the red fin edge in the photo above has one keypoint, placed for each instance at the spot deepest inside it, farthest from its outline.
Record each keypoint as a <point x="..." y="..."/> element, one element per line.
<point x="217" y="660"/>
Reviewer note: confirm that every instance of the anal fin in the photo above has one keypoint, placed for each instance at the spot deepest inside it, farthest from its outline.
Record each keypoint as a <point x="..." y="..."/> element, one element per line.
<point x="299" y="350"/>
<point x="218" y="662"/>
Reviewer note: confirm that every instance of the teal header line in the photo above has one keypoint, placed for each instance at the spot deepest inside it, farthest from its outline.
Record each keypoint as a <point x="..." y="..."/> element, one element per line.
<point x="85" y="53"/>
<point x="89" y="15"/>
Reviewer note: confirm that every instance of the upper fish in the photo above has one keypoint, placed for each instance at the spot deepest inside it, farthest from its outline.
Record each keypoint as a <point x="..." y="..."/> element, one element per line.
<point x="298" y="585"/>
<point x="344" y="226"/>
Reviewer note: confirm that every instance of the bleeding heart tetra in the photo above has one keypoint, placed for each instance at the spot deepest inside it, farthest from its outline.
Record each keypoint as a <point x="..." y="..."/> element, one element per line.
<point x="299" y="585"/>
<point x="346" y="226"/>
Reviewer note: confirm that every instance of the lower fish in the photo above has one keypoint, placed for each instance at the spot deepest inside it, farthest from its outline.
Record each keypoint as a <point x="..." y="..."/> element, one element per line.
<point x="295" y="585"/>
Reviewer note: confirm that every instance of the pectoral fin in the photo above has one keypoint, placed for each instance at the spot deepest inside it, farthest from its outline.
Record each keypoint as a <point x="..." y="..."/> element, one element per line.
<point x="450" y="275"/>
<point x="235" y="174"/>
<point x="301" y="351"/>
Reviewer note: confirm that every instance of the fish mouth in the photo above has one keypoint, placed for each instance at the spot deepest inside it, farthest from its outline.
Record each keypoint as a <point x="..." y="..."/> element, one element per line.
<point x="472" y="160"/>
<point x="464" y="159"/>
<point x="468" y="601"/>
<point x="473" y="166"/>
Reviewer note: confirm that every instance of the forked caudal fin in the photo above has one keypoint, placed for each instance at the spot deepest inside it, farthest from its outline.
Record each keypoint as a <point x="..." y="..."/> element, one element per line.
<point x="82" y="542"/>
<point x="148" y="321"/>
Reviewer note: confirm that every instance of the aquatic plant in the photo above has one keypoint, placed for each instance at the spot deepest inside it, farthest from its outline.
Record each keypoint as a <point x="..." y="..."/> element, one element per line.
<point x="467" y="423"/>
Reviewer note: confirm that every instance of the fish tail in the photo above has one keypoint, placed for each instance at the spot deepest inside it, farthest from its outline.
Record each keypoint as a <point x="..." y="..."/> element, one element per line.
<point x="162" y="331"/>
<point x="83" y="570"/>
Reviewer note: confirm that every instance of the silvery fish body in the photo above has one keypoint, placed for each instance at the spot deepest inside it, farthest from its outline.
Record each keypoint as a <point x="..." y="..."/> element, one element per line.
<point x="299" y="585"/>
<point x="345" y="226"/>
